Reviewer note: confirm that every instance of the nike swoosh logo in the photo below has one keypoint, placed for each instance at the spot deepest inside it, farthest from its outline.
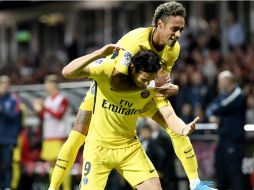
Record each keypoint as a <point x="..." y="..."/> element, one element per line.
<point x="187" y="151"/>
<point x="151" y="171"/>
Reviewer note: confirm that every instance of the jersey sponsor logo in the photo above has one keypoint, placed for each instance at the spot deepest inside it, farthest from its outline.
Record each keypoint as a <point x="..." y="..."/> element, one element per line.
<point x="127" y="110"/>
<point x="126" y="60"/>
<point x="145" y="94"/>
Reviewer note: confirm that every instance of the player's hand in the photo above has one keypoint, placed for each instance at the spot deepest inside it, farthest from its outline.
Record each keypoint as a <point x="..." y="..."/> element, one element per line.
<point x="37" y="105"/>
<point x="108" y="49"/>
<point x="162" y="78"/>
<point x="190" y="127"/>
<point x="214" y="119"/>
<point x="167" y="90"/>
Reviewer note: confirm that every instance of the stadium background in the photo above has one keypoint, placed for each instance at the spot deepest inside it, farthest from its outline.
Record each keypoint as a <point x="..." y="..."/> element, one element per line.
<point x="40" y="37"/>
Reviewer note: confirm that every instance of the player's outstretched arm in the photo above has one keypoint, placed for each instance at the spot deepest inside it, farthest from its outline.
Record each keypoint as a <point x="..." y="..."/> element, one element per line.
<point x="175" y="123"/>
<point x="78" y="67"/>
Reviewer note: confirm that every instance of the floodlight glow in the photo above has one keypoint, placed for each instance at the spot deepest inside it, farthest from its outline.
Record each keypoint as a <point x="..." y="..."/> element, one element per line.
<point x="249" y="127"/>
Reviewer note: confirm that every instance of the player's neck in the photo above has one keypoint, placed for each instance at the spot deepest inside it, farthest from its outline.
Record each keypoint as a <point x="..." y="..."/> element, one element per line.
<point x="121" y="82"/>
<point x="155" y="40"/>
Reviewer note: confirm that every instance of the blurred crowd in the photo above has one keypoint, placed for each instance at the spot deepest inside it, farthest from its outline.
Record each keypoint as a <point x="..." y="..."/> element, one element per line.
<point x="200" y="61"/>
<point x="196" y="71"/>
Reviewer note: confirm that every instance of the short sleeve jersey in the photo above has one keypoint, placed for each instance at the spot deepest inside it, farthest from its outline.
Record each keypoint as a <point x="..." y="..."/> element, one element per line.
<point x="115" y="113"/>
<point x="141" y="37"/>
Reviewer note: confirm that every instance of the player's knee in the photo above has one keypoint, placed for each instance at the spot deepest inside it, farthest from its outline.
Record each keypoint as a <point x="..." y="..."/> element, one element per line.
<point x="150" y="184"/>
<point x="82" y="121"/>
<point x="157" y="186"/>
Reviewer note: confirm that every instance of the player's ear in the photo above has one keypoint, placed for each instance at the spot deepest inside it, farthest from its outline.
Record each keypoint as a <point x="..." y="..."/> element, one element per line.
<point x="132" y="66"/>
<point x="160" y="23"/>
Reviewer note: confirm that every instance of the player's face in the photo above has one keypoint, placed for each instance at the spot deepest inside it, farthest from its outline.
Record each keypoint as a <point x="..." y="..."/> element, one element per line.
<point x="142" y="79"/>
<point x="222" y="85"/>
<point x="171" y="29"/>
<point x="49" y="87"/>
<point x="4" y="87"/>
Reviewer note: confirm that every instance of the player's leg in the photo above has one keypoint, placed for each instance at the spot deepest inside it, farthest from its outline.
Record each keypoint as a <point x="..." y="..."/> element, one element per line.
<point x="96" y="167"/>
<point x="183" y="148"/>
<point x="148" y="184"/>
<point x="137" y="169"/>
<point x="49" y="153"/>
<point x="182" y="145"/>
<point x="185" y="152"/>
<point x="76" y="139"/>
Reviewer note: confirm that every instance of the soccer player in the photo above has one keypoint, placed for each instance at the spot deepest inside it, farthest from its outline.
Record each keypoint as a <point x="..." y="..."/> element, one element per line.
<point x="168" y="24"/>
<point x="111" y="141"/>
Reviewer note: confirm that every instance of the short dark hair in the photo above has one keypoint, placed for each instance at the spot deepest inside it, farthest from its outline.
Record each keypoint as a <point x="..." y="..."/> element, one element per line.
<point x="168" y="9"/>
<point x="51" y="79"/>
<point x="146" y="61"/>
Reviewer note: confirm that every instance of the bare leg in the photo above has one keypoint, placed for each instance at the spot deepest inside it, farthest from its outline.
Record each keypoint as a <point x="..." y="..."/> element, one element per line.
<point x="150" y="184"/>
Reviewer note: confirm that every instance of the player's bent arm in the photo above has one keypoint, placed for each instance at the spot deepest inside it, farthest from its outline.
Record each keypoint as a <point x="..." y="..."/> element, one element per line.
<point x="175" y="123"/>
<point x="167" y="90"/>
<point x="78" y="67"/>
<point x="164" y="86"/>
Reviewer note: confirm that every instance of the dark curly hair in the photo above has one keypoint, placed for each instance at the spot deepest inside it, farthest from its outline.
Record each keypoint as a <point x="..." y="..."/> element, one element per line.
<point x="146" y="61"/>
<point x="168" y="9"/>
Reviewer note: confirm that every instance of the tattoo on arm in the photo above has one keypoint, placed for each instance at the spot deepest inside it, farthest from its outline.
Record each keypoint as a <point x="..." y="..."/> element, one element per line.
<point x="82" y="121"/>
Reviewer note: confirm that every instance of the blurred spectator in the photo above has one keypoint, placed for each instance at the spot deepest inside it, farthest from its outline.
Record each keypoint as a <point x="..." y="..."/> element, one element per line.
<point x="181" y="98"/>
<point x="228" y="111"/>
<point x="55" y="114"/>
<point x="208" y="66"/>
<point x="29" y="145"/>
<point x="200" y="94"/>
<point x="16" y="163"/>
<point x="199" y="112"/>
<point x="250" y="109"/>
<point x="156" y="144"/>
<point x="10" y="124"/>
<point x="236" y="34"/>
<point x="72" y="48"/>
<point x="26" y="71"/>
<point x="213" y="42"/>
<point x="187" y="114"/>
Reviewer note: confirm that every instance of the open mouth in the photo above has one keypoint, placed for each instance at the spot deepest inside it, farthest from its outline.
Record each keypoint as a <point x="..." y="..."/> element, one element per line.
<point x="171" y="41"/>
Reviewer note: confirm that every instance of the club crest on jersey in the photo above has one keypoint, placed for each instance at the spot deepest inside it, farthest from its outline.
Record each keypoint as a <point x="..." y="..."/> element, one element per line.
<point x="145" y="93"/>
<point x="85" y="180"/>
<point x="126" y="60"/>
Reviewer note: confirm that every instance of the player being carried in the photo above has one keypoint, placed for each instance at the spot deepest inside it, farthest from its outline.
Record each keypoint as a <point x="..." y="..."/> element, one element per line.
<point x="111" y="142"/>
<point x="162" y="38"/>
